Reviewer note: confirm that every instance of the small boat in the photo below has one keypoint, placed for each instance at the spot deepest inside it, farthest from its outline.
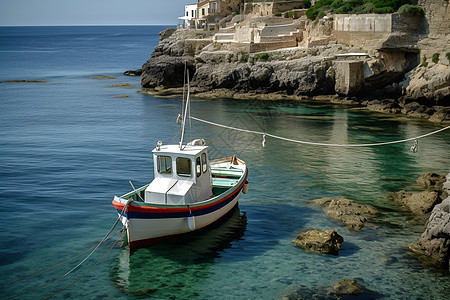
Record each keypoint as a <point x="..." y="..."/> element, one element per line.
<point x="188" y="191"/>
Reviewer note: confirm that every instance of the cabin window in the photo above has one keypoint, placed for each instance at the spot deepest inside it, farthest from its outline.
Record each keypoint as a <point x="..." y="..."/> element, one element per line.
<point x="183" y="166"/>
<point x="204" y="164"/>
<point x="198" y="167"/>
<point x="164" y="164"/>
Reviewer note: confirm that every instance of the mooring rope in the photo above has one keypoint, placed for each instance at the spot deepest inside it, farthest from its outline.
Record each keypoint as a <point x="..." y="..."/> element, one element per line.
<point x="104" y="239"/>
<point x="107" y="237"/>
<point x="46" y="270"/>
<point x="264" y="134"/>
<point x="54" y="280"/>
<point x="79" y="278"/>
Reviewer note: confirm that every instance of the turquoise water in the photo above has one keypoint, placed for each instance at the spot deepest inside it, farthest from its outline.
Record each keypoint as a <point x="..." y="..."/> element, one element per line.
<point x="69" y="145"/>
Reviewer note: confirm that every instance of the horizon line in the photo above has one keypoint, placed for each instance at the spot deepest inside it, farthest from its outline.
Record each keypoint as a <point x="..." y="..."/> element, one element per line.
<point x="74" y="25"/>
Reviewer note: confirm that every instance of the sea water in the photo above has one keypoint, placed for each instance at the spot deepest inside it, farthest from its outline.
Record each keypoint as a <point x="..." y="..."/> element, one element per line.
<point x="70" y="143"/>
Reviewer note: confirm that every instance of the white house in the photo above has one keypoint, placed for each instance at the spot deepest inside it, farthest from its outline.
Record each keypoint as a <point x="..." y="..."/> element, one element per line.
<point x="190" y="14"/>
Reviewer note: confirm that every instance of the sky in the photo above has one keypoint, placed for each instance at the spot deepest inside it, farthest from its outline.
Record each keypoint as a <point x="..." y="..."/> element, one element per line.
<point x="91" y="12"/>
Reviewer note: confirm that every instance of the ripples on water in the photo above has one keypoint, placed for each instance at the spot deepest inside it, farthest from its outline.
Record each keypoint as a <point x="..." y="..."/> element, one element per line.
<point x="67" y="146"/>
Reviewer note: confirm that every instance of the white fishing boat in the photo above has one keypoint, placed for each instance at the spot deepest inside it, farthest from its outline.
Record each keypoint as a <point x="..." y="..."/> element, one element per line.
<point x="188" y="192"/>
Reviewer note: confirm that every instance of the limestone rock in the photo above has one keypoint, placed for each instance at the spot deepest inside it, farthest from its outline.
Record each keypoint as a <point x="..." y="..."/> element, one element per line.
<point x="385" y="106"/>
<point x="326" y="242"/>
<point x="431" y="181"/>
<point x="347" y="287"/>
<point x="137" y="72"/>
<point x="166" y="71"/>
<point x="435" y="241"/>
<point x="432" y="83"/>
<point x="166" y="33"/>
<point x="441" y="115"/>
<point x="422" y="202"/>
<point x="419" y="203"/>
<point x="351" y="214"/>
<point x="344" y="289"/>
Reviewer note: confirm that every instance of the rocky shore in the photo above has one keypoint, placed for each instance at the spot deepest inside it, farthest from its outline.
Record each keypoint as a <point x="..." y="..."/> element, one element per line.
<point x="430" y="202"/>
<point x="380" y="75"/>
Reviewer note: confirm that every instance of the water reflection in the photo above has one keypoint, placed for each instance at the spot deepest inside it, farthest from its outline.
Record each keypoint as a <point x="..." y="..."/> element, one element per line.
<point x="176" y="267"/>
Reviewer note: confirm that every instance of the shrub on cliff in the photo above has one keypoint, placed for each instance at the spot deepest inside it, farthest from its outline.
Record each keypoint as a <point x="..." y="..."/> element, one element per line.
<point x="360" y="7"/>
<point x="262" y="56"/>
<point x="411" y="10"/>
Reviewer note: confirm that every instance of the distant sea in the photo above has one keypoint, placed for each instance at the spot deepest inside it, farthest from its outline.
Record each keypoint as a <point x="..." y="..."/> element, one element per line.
<point x="70" y="143"/>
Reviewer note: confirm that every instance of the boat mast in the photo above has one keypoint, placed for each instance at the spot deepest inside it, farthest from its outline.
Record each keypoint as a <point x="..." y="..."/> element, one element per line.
<point x="183" y="124"/>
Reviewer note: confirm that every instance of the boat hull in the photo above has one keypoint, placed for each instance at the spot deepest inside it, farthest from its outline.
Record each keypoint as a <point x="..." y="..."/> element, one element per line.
<point x="142" y="232"/>
<point x="146" y="224"/>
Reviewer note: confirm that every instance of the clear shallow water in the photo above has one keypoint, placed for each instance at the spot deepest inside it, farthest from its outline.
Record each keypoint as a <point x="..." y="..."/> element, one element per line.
<point x="68" y="145"/>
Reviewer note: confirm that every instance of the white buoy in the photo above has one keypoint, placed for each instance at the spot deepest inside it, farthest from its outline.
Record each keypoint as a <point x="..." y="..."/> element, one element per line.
<point x="245" y="188"/>
<point x="191" y="222"/>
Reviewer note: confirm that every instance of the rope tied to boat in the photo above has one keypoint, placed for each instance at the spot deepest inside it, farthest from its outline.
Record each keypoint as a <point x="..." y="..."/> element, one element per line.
<point x="107" y="237"/>
<point x="414" y="148"/>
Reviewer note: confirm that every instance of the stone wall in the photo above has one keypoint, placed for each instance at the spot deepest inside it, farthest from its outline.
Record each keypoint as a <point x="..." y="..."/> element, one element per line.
<point x="374" y="23"/>
<point x="379" y="31"/>
<point x="268" y="46"/>
<point x="273" y="31"/>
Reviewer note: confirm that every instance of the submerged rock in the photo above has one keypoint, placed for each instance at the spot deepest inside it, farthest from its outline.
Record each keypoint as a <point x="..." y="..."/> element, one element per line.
<point x="137" y="72"/>
<point x="431" y="181"/>
<point x="347" y="287"/>
<point x="102" y="77"/>
<point x="421" y="203"/>
<point x="418" y="203"/>
<point x="351" y="214"/>
<point x="326" y="242"/>
<point x="343" y="289"/>
<point x="24" y="80"/>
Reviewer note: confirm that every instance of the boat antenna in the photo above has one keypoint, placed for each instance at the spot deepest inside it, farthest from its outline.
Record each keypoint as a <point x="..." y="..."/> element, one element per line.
<point x="185" y="112"/>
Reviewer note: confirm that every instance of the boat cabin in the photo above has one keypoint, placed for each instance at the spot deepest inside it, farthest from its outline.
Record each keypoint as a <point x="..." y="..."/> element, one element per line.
<point x="182" y="176"/>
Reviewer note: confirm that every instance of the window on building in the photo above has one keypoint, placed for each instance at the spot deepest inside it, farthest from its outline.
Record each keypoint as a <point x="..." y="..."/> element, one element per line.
<point x="203" y="11"/>
<point x="204" y="163"/>
<point x="183" y="166"/>
<point x="193" y="13"/>
<point x="164" y="164"/>
<point x="187" y="14"/>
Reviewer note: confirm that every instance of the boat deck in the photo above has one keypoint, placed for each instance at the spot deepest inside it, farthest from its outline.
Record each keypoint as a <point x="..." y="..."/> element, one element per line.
<point x="224" y="177"/>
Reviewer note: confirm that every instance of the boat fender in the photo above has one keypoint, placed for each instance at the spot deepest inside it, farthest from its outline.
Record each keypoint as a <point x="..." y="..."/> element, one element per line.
<point x="245" y="188"/>
<point x="191" y="220"/>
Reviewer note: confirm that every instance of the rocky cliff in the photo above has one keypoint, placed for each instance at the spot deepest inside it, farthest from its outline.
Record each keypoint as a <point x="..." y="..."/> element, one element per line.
<point x="408" y="79"/>
<point x="431" y="79"/>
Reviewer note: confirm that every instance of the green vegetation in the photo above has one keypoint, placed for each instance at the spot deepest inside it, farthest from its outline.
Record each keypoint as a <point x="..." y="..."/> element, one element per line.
<point x="411" y="10"/>
<point x="425" y="63"/>
<point x="289" y="14"/>
<point x="262" y="56"/>
<point x="244" y="57"/>
<point x="435" y="58"/>
<point x="322" y="7"/>
<point x="278" y="14"/>
<point x="307" y="3"/>
<point x="448" y="56"/>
